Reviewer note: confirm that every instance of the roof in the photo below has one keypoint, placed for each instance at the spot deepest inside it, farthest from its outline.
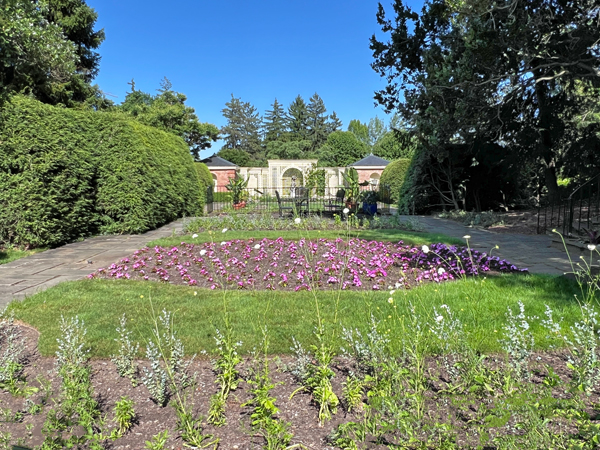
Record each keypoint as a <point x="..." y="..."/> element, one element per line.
<point x="371" y="161"/>
<point x="217" y="161"/>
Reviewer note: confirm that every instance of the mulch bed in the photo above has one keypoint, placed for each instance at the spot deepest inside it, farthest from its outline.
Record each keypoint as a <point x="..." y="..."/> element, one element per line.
<point x="299" y="411"/>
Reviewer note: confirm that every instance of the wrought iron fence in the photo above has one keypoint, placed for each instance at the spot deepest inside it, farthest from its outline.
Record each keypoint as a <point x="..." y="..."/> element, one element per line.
<point x="576" y="214"/>
<point x="294" y="200"/>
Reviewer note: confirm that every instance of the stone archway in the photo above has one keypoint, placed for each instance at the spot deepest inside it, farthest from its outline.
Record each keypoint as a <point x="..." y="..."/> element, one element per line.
<point x="286" y="179"/>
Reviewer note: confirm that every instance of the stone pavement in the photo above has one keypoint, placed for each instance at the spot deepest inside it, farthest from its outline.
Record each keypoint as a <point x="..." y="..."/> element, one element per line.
<point x="24" y="277"/>
<point x="534" y="252"/>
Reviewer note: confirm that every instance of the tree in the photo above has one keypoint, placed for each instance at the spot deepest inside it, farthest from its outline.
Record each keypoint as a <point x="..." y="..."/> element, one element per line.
<point x="77" y="21"/>
<point x="377" y="130"/>
<point x="236" y="156"/>
<point x="242" y="131"/>
<point x="479" y="75"/>
<point x="289" y="150"/>
<point x="334" y="123"/>
<point x="360" y="130"/>
<point x="317" y="121"/>
<point x="274" y="122"/>
<point x="297" y="119"/>
<point x="167" y="110"/>
<point x="35" y="57"/>
<point x="394" y="145"/>
<point x="341" y="149"/>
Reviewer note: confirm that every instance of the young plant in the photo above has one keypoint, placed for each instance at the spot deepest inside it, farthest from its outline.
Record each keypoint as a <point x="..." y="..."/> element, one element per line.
<point x="11" y="350"/>
<point x="124" y="360"/>
<point x="124" y="417"/>
<point x="158" y="441"/>
<point x="518" y="341"/>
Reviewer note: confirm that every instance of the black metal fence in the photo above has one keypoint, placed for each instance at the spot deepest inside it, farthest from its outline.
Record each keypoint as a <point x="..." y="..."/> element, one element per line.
<point x="296" y="200"/>
<point x="573" y="216"/>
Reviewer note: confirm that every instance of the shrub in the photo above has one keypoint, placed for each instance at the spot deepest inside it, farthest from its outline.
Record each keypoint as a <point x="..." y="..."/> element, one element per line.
<point x="205" y="178"/>
<point x="393" y="177"/>
<point x="65" y="174"/>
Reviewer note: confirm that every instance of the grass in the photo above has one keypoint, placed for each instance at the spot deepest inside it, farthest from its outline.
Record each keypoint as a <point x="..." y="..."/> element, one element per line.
<point x="481" y="305"/>
<point x="409" y="237"/>
<point x="10" y="254"/>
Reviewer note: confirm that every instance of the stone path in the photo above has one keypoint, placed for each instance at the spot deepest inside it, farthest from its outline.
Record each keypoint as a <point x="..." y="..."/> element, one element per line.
<point x="38" y="272"/>
<point x="26" y="276"/>
<point x="534" y="252"/>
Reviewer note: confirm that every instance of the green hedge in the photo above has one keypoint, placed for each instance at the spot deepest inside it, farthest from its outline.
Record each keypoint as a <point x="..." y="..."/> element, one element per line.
<point x="205" y="178"/>
<point x="65" y="174"/>
<point x="393" y="177"/>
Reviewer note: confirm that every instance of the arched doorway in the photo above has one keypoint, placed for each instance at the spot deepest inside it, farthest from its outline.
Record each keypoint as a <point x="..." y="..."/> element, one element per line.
<point x="287" y="177"/>
<point x="214" y="177"/>
<point x="374" y="180"/>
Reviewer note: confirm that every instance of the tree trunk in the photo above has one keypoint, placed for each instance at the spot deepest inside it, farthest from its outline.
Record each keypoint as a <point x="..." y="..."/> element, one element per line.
<point x="545" y="143"/>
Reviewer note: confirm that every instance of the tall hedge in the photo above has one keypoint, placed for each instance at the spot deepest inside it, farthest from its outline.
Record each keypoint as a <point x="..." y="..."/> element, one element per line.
<point x="205" y="178"/>
<point x="393" y="177"/>
<point x="66" y="174"/>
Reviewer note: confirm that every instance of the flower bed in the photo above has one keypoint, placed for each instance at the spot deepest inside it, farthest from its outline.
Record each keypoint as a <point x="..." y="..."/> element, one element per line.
<point x="296" y="265"/>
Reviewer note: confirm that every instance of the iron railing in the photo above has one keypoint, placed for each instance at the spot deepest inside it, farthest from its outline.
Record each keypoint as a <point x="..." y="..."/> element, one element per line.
<point x="576" y="214"/>
<point x="306" y="201"/>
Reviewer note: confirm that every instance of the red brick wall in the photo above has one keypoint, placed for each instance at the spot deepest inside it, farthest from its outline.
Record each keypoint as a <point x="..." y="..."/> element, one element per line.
<point x="223" y="176"/>
<point x="365" y="174"/>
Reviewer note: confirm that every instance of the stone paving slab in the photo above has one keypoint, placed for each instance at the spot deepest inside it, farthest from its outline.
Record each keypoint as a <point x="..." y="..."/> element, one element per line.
<point x="35" y="273"/>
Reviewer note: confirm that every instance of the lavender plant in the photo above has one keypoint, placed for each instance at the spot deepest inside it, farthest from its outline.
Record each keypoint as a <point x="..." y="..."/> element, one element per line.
<point x="11" y="351"/>
<point x="518" y="341"/>
<point x="124" y="360"/>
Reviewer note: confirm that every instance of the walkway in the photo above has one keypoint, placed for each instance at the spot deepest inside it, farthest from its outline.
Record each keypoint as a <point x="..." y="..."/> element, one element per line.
<point x="26" y="276"/>
<point x="38" y="272"/>
<point x="534" y="252"/>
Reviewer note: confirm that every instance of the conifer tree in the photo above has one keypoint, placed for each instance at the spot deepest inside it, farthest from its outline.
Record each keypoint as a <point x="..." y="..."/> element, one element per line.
<point x="297" y="119"/>
<point x="317" y="121"/>
<point x="275" y="122"/>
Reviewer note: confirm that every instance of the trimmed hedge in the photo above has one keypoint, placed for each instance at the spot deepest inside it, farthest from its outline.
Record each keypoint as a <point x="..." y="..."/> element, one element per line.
<point x="205" y="178"/>
<point x="65" y="174"/>
<point x="393" y="177"/>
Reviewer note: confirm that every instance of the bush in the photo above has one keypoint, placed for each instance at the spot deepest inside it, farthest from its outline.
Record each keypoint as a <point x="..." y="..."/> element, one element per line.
<point x="393" y="177"/>
<point x="65" y="174"/>
<point x="205" y="178"/>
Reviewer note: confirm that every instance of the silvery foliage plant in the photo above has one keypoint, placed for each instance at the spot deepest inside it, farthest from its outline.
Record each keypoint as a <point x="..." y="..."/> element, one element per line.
<point x="518" y="340"/>
<point x="582" y="344"/>
<point x="450" y="335"/>
<point x="71" y="344"/>
<point x="368" y="351"/>
<point x="10" y="349"/>
<point x="124" y="360"/>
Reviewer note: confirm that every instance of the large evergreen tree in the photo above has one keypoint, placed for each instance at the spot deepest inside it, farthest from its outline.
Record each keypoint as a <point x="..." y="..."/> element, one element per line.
<point x="317" y="121"/>
<point x="297" y="119"/>
<point x="274" y="123"/>
<point x="242" y="131"/>
<point x="360" y="131"/>
<point x="334" y="123"/>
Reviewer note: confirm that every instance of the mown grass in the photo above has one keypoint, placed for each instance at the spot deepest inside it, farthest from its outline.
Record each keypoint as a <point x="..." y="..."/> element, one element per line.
<point x="480" y="304"/>
<point x="388" y="235"/>
<point x="11" y="254"/>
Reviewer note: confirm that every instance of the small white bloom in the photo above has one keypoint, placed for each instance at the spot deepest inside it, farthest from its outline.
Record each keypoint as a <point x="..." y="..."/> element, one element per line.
<point x="591" y="247"/>
<point x="398" y="285"/>
<point x="390" y="300"/>
<point x="425" y="249"/>
<point x="194" y="236"/>
<point x="297" y="220"/>
<point x="441" y="271"/>
<point x="392" y="292"/>
<point x="224" y="230"/>
<point x="346" y="211"/>
<point x="444" y="306"/>
<point x="257" y="246"/>
<point x="223" y="243"/>
<point x="438" y="319"/>
<point x="202" y="252"/>
<point x="466" y="236"/>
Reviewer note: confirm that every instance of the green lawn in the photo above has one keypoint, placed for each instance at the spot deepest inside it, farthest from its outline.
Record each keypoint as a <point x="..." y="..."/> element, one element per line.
<point x="479" y="303"/>
<point x="10" y="254"/>
<point x="409" y="237"/>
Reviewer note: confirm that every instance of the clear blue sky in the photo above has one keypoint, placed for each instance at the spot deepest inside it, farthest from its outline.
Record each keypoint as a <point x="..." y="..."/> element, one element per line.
<point x="256" y="50"/>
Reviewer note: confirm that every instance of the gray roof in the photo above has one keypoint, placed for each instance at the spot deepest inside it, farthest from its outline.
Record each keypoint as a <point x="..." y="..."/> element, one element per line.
<point x="370" y="161"/>
<point x="217" y="161"/>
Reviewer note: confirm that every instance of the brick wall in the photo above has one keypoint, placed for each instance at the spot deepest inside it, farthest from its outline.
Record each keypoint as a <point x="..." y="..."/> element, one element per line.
<point x="223" y="176"/>
<point x="365" y="174"/>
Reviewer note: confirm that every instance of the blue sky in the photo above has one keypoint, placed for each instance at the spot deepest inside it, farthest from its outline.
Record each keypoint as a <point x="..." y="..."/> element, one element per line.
<point x="256" y="50"/>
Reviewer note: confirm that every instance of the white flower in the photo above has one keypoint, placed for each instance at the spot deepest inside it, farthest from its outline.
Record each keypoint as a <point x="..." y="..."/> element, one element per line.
<point x="444" y="306"/>
<point x="390" y="300"/>
<point x="224" y="230"/>
<point x="392" y="292"/>
<point x="297" y="220"/>
<point x="466" y="236"/>
<point x="425" y="249"/>
<point x="398" y="285"/>
<point x="202" y="252"/>
<point x="438" y="319"/>
<point x="257" y="246"/>
<point x="441" y="271"/>
<point x="194" y="236"/>
<point x="346" y="211"/>
<point x="223" y="243"/>
<point x="591" y="247"/>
